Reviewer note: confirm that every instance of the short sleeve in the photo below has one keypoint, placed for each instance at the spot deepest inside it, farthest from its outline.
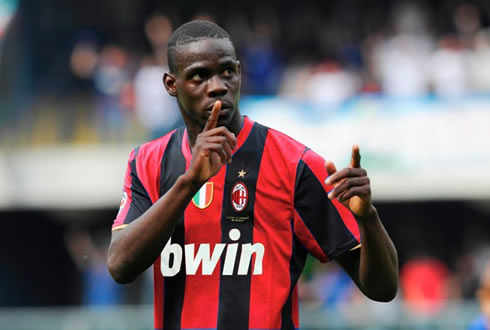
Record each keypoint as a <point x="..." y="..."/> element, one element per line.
<point x="326" y="228"/>
<point x="135" y="200"/>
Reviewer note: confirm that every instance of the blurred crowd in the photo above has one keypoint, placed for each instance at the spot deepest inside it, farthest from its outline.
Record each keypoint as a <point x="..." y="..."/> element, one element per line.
<point x="428" y="288"/>
<point x="323" y="53"/>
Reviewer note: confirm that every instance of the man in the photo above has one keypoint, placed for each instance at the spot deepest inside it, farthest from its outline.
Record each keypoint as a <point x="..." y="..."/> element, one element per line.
<point x="227" y="209"/>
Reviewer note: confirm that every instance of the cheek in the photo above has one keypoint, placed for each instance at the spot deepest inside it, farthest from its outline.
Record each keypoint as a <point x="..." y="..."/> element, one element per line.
<point x="235" y="85"/>
<point x="189" y="95"/>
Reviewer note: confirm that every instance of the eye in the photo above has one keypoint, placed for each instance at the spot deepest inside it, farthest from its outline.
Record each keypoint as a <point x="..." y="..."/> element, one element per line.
<point x="228" y="73"/>
<point x="197" y="77"/>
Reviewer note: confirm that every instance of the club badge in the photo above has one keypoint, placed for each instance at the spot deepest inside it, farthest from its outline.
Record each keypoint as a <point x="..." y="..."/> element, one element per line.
<point x="239" y="196"/>
<point x="204" y="196"/>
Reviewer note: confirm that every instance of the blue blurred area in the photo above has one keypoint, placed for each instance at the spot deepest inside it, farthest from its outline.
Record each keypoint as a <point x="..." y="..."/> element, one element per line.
<point x="88" y="75"/>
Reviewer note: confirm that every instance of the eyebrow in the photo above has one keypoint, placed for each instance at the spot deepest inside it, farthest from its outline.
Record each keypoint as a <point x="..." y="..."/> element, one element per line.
<point x="200" y="66"/>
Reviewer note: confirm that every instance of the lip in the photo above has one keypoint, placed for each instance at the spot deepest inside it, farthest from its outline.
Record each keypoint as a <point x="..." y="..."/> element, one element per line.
<point x="224" y="105"/>
<point x="222" y="113"/>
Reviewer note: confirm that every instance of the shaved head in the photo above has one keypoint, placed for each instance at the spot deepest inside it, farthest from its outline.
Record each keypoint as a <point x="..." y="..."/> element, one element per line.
<point x="191" y="32"/>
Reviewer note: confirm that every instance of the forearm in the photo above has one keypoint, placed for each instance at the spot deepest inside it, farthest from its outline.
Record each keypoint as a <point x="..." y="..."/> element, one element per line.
<point x="378" y="264"/>
<point x="134" y="248"/>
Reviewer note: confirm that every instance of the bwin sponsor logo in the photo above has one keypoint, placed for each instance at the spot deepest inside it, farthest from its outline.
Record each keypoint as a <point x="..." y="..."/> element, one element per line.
<point x="209" y="260"/>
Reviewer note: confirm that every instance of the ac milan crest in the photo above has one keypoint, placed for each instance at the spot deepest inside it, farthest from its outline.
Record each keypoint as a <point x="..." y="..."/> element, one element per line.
<point x="239" y="196"/>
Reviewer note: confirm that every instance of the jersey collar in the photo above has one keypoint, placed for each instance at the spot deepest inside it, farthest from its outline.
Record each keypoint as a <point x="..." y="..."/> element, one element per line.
<point x="242" y="136"/>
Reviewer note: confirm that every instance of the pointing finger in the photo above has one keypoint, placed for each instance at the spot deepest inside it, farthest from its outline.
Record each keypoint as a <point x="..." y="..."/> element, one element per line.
<point x="356" y="157"/>
<point x="213" y="117"/>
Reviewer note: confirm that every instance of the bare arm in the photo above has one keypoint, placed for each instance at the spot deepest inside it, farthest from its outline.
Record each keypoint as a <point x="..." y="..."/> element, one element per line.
<point x="134" y="248"/>
<point x="373" y="267"/>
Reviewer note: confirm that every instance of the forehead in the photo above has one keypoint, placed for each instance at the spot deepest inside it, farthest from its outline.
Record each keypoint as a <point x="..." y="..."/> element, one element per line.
<point x="204" y="52"/>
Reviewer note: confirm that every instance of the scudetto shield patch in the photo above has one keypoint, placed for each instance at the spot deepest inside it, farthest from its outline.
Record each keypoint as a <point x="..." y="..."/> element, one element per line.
<point x="204" y="196"/>
<point x="239" y="196"/>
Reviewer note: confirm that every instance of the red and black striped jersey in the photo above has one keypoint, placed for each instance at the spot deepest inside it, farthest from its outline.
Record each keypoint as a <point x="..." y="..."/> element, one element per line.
<point x="237" y="252"/>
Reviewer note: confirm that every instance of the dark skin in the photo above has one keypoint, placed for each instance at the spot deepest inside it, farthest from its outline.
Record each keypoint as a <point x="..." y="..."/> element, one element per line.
<point x="207" y="87"/>
<point x="374" y="267"/>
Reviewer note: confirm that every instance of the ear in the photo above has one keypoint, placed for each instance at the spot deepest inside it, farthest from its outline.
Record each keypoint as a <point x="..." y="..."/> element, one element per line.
<point x="239" y="67"/>
<point x="169" y="83"/>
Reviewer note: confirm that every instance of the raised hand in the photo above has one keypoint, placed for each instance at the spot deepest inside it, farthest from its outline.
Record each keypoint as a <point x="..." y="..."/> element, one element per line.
<point x="351" y="185"/>
<point x="213" y="148"/>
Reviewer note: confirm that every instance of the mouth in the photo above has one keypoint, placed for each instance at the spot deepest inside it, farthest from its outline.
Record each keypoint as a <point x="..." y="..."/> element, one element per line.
<point x="225" y="106"/>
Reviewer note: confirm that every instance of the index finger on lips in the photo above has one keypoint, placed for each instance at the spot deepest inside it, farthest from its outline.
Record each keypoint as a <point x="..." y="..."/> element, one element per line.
<point x="213" y="117"/>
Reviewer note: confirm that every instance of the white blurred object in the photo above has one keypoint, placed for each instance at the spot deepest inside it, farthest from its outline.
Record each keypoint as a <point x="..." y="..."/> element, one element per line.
<point x="400" y="64"/>
<point x="155" y="108"/>
<point x="331" y="86"/>
<point x="448" y="68"/>
<point x="480" y="62"/>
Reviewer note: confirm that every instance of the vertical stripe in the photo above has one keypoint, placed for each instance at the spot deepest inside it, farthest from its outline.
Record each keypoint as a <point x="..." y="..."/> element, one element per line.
<point x="149" y="164"/>
<point x="128" y="182"/>
<point x="195" y="199"/>
<point x="234" y="291"/>
<point x="289" y="317"/>
<point x="203" y="229"/>
<point x="317" y="166"/>
<point x="202" y="196"/>
<point x="209" y="193"/>
<point x="142" y="178"/>
<point x="306" y="238"/>
<point x="295" y="307"/>
<point x="173" y="165"/>
<point x="140" y="201"/>
<point x="320" y="215"/>
<point x="272" y="225"/>
<point x="158" y="295"/>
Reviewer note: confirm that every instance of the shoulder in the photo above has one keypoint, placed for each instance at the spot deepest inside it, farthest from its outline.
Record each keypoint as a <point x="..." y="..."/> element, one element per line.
<point x="283" y="144"/>
<point x="149" y="154"/>
<point x="292" y="148"/>
<point x="157" y="145"/>
<point x="295" y="154"/>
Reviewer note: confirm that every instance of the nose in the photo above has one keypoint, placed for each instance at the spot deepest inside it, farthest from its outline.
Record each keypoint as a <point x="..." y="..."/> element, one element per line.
<point x="216" y="87"/>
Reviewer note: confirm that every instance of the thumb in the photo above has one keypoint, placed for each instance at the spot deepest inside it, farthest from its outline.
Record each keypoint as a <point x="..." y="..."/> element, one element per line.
<point x="330" y="167"/>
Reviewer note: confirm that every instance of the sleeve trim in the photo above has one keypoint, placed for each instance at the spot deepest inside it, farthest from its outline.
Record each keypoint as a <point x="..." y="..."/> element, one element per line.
<point x="358" y="246"/>
<point x="119" y="227"/>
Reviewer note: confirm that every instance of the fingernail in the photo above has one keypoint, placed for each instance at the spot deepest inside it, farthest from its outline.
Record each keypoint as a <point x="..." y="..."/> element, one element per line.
<point x="330" y="195"/>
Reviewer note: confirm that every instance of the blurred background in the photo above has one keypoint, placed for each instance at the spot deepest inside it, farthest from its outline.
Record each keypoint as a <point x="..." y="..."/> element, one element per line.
<point x="80" y="86"/>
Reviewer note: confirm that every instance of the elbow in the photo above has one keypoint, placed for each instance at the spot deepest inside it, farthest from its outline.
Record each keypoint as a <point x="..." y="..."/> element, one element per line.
<point x="385" y="292"/>
<point x="386" y="296"/>
<point x="118" y="271"/>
